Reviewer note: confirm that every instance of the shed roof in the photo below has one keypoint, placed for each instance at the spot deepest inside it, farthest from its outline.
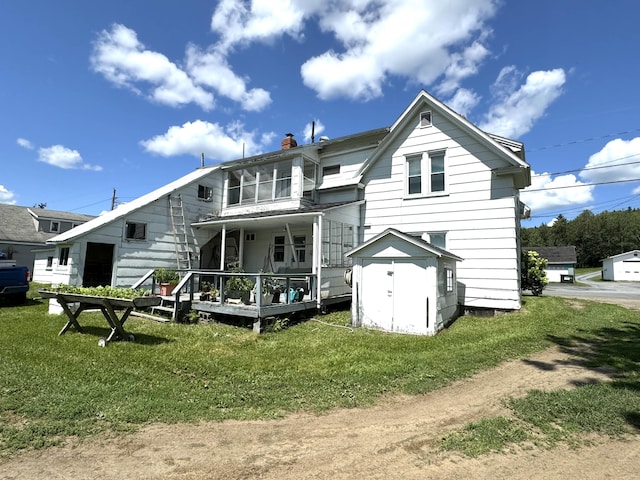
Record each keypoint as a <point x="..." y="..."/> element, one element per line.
<point x="555" y="255"/>
<point x="417" y="241"/>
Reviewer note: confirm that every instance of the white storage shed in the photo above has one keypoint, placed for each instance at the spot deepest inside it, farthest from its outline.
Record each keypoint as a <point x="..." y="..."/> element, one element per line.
<point x="622" y="267"/>
<point x="401" y="283"/>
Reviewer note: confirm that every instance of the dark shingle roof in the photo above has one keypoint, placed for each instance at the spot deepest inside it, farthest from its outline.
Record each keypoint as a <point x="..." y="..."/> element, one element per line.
<point x="18" y="225"/>
<point x="555" y="255"/>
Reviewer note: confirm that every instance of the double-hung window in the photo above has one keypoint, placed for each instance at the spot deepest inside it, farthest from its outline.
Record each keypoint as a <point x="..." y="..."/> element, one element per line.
<point x="426" y="174"/>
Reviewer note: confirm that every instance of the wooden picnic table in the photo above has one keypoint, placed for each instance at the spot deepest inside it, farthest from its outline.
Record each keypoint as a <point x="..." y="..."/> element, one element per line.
<point x="107" y="305"/>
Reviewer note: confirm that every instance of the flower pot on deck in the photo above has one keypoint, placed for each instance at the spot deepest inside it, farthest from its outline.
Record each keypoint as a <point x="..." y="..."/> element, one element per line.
<point x="166" y="289"/>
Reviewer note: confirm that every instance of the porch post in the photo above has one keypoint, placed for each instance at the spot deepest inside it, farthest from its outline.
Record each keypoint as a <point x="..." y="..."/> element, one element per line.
<point x="317" y="258"/>
<point x="223" y="246"/>
<point x="241" y="249"/>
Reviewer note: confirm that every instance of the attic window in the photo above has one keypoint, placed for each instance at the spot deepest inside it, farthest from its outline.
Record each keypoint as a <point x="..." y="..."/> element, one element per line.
<point x="205" y="193"/>
<point x="55" y="227"/>
<point x="425" y="119"/>
<point x="136" y="231"/>
<point x="330" y="170"/>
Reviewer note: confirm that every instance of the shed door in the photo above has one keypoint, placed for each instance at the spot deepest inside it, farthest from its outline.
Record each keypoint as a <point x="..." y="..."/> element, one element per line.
<point x="394" y="294"/>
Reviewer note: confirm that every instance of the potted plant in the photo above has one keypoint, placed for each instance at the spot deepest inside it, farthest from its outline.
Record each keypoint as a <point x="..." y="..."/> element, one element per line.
<point x="208" y="292"/>
<point x="270" y="289"/>
<point x="167" y="279"/>
<point x="238" y="287"/>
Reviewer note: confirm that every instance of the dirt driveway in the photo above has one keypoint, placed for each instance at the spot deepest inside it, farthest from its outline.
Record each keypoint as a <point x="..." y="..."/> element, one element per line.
<point x="396" y="439"/>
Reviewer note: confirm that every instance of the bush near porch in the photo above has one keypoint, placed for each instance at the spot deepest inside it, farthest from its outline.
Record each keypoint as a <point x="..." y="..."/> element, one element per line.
<point x="53" y="387"/>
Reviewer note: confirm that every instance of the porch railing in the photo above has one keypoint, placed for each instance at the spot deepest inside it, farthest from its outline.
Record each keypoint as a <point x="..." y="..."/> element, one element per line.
<point x="192" y="283"/>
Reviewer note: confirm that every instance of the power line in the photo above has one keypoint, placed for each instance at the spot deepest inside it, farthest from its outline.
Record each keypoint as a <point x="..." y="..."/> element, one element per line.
<point x="581" y="185"/>
<point x="575" y="142"/>
<point x="604" y="165"/>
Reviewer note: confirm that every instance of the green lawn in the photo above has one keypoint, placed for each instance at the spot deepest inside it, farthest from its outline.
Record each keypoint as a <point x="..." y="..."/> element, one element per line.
<point x="55" y="386"/>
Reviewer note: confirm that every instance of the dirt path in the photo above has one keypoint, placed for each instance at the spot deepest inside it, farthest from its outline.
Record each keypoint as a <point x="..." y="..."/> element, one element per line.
<point x="396" y="439"/>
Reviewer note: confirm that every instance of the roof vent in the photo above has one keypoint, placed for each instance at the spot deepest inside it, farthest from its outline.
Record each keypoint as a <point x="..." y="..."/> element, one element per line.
<point x="324" y="138"/>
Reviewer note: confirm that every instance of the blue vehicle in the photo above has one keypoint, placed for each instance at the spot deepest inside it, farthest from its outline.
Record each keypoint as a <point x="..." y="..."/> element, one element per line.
<point x="14" y="281"/>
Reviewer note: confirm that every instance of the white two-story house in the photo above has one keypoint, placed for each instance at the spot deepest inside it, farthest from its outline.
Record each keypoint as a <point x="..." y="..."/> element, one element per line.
<point x="431" y="174"/>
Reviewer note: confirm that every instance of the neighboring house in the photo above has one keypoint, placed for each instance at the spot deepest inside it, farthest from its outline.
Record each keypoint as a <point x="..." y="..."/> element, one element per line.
<point x="561" y="262"/>
<point x="25" y="230"/>
<point x="622" y="267"/>
<point x="403" y="284"/>
<point x="300" y="209"/>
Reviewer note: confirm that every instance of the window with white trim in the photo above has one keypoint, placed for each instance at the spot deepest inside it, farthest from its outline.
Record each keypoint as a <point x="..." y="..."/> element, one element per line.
<point x="63" y="257"/>
<point x="135" y="231"/>
<point x="425" y="174"/>
<point x="55" y="226"/>
<point x="205" y="193"/>
<point x="439" y="239"/>
<point x="425" y="118"/>
<point x="449" y="279"/>
<point x="337" y="239"/>
<point x="263" y="183"/>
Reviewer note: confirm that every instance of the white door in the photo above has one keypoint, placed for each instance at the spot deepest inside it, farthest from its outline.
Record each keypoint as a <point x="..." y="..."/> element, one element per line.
<point x="394" y="295"/>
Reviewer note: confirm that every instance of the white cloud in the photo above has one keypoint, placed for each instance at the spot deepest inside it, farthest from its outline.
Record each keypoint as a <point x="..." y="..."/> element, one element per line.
<point x="316" y="129"/>
<point x="518" y="108"/>
<point x="618" y="160"/>
<point x="7" y="196"/>
<point x="463" y="101"/>
<point x="262" y="20"/>
<point x="415" y="39"/>
<point x="418" y="40"/>
<point x="212" y="70"/>
<point x="555" y="192"/>
<point x="216" y="142"/>
<point x="63" y="157"/>
<point x="24" y="143"/>
<point x="123" y="60"/>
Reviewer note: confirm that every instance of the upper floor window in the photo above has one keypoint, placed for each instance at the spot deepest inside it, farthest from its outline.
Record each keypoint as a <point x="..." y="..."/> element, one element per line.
<point x="425" y="119"/>
<point x="426" y="174"/>
<point x="330" y="170"/>
<point x="135" y="231"/>
<point x="439" y="239"/>
<point x="259" y="184"/>
<point x="55" y="226"/>
<point x="205" y="193"/>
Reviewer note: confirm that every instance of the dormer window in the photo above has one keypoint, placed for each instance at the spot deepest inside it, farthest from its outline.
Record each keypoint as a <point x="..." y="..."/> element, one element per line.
<point x="55" y="227"/>
<point x="425" y="119"/>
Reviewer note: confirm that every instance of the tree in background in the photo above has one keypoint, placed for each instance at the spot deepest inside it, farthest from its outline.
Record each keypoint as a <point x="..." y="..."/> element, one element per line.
<point x="595" y="236"/>
<point x="534" y="276"/>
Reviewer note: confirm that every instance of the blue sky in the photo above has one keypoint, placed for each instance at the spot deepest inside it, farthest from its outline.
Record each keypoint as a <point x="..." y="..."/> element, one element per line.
<point x="126" y="95"/>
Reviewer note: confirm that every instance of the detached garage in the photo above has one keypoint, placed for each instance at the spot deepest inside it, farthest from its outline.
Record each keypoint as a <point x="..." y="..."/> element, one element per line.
<point x="622" y="267"/>
<point x="401" y="283"/>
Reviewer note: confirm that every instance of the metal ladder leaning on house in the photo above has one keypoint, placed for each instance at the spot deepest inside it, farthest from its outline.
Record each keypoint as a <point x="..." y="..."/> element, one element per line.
<point x="180" y="233"/>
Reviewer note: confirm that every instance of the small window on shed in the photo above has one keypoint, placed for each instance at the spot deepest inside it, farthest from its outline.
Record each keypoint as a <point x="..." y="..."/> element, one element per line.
<point x="330" y="170"/>
<point x="205" y="193"/>
<point x="425" y="119"/>
<point x="135" y="231"/>
<point x="63" y="258"/>
<point x="449" y="279"/>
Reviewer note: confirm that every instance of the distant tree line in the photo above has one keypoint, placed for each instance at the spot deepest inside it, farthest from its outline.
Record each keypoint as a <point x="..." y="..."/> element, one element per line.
<point x="594" y="236"/>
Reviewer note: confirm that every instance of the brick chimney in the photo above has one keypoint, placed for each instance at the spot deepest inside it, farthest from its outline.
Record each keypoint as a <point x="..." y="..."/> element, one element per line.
<point x="288" y="142"/>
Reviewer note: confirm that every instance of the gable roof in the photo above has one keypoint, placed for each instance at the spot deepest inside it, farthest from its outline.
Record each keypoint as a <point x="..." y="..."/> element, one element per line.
<point x="127" y="208"/>
<point x="635" y="253"/>
<point x="502" y="147"/>
<point x="555" y="255"/>
<point x="417" y="241"/>
<point x="20" y="224"/>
